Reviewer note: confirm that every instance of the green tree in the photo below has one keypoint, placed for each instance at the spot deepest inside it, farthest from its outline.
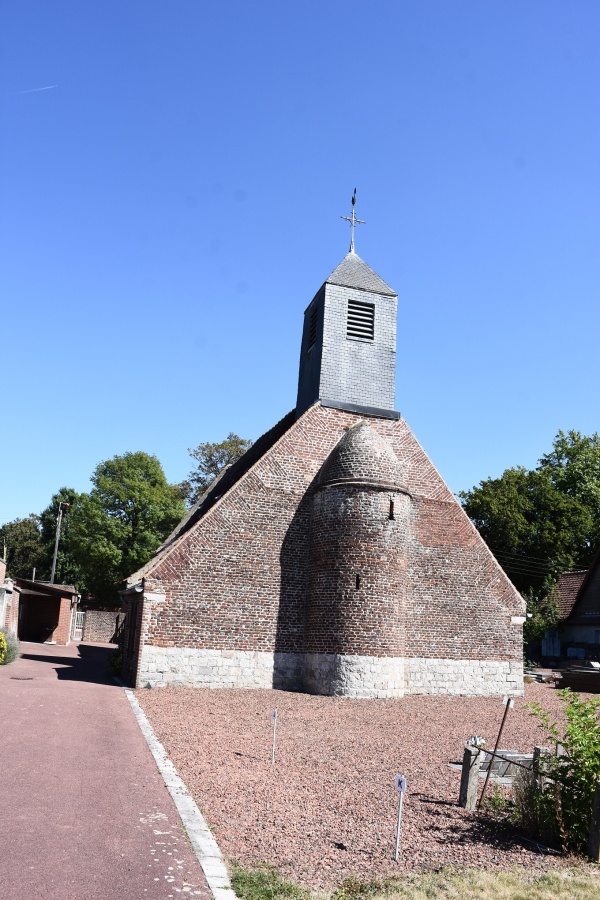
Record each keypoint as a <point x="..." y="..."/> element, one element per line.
<point x="210" y="460"/>
<point x="115" y="529"/>
<point x="68" y="569"/>
<point x="24" y="550"/>
<point x="542" y="522"/>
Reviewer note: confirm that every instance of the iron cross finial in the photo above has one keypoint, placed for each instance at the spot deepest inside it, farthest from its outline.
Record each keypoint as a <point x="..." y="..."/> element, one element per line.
<point x="353" y="221"/>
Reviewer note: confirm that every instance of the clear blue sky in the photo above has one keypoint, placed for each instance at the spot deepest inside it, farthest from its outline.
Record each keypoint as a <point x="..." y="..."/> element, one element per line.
<point x="170" y="205"/>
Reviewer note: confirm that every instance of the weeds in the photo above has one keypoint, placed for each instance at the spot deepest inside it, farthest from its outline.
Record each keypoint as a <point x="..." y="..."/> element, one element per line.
<point x="265" y="882"/>
<point x="449" y="883"/>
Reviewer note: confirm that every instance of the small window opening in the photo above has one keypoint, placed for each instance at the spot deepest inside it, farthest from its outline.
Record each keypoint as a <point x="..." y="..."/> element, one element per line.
<point x="391" y="513"/>
<point x="361" y="320"/>
<point x="357" y="582"/>
<point x="312" y="327"/>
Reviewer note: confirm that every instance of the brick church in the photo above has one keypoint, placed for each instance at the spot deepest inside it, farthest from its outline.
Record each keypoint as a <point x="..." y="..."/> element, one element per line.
<point x="331" y="558"/>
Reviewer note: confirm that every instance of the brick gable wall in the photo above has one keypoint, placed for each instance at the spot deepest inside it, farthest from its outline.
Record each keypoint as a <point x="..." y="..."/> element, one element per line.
<point x="239" y="579"/>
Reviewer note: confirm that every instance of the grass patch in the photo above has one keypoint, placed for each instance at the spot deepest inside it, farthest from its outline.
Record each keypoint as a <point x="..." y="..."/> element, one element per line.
<point x="264" y="883"/>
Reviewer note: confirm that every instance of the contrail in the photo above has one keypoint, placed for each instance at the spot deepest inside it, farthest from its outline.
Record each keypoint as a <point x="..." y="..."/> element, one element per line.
<point x="33" y="90"/>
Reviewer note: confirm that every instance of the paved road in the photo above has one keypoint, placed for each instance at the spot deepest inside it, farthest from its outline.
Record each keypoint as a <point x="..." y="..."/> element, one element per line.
<point x="84" y="814"/>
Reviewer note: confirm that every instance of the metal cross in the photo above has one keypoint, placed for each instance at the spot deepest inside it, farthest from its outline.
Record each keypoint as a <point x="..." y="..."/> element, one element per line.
<point x="353" y="221"/>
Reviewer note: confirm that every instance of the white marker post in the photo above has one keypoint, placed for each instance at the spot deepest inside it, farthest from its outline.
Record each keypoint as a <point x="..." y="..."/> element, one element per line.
<point x="274" y="717"/>
<point x="401" y="788"/>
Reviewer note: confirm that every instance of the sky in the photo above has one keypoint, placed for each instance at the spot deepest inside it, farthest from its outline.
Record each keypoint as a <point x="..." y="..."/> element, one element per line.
<point x="172" y="176"/>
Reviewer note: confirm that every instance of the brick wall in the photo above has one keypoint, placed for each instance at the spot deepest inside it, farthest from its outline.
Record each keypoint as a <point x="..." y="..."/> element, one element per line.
<point x="101" y="625"/>
<point x="62" y="632"/>
<point x="239" y="579"/>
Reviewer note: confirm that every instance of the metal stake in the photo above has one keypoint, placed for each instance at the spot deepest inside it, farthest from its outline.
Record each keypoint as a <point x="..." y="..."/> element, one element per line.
<point x="400" y="787"/>
<point x="274" y="717"/>
<point x="508" y="703"/>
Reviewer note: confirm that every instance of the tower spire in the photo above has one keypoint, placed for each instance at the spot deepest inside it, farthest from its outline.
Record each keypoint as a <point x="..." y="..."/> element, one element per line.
<point x="353" y="221"/>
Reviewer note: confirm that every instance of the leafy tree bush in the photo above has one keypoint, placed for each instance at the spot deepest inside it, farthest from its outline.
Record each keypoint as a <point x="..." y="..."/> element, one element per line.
<point x="9" y="648"/>
<point x="211" y="459"/>
<point x="115" y="529"/>
<point x="542" y="522"/>
<point x="24" y="549"/>
<point x="556" y="801"/>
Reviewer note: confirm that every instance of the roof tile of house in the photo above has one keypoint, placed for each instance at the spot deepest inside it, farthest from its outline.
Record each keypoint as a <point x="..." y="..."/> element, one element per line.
<point x="566" y="590"/>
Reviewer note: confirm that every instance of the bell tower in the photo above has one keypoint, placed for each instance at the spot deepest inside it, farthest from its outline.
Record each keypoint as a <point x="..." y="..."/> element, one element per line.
<point x="348" y="352"/>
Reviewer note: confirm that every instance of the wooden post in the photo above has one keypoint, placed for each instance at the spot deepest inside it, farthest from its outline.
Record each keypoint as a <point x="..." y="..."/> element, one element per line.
<point x="469" y="779"/>
<point x="594" y="842"/>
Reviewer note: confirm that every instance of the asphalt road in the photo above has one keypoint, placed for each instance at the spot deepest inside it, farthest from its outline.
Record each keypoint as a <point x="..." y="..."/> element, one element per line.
<point x="84" y="813"/>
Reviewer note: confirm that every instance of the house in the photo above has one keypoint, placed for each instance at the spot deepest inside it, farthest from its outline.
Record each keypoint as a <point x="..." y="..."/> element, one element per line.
<point x="577" y="596"/>
<point x="332" y="557"/>
<point x="47" y="611"/>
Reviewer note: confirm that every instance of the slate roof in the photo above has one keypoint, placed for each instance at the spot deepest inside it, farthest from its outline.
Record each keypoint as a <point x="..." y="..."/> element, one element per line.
<point x="566" y="590"/>
<point x="44" y="587"/>
<point x="224" y="481"/>
<point x="362" y="456"/>
<point x="353" y="272"/>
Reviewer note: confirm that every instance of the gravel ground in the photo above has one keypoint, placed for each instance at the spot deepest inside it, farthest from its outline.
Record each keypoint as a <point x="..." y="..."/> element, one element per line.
<point x="328" y="807"/>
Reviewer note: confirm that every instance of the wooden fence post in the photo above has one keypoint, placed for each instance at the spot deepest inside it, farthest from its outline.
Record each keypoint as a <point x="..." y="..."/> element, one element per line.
<point x="469" y="779"/>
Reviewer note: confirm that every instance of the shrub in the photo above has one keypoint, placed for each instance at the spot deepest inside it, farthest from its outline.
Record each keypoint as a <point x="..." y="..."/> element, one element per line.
<point x="115" y="662"/>
<point x="556" y="801"/>
<point x="11" y="648"/>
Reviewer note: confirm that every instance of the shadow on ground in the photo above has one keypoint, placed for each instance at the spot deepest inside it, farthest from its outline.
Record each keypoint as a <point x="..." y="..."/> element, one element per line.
<point x="92" y="664"/>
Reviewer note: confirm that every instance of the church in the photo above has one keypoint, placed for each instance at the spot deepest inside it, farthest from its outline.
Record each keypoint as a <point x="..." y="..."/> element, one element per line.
<point x="331" y="557"/>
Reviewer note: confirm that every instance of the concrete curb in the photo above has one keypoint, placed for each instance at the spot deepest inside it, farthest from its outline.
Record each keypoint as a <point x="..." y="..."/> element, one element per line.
<point x="203" y="843"/>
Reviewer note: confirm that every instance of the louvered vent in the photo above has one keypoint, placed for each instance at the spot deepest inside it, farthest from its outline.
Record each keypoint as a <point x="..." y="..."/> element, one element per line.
<point x="361" y="320"/>
<point x="312" y="327"/>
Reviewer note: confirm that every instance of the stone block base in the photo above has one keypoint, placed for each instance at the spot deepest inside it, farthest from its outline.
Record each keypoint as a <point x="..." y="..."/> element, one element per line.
<point x="190" y="667"/>
<point x="327" y="673"/>
<point x="337" y="675"/>
<point x="469" y="677"/>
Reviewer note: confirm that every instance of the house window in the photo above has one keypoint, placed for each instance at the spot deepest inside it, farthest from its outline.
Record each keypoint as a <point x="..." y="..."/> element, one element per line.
<point x="361" y="321"/>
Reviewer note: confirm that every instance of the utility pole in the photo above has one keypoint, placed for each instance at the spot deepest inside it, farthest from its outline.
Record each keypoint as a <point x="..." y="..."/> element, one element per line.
<point x="58" y="521"/>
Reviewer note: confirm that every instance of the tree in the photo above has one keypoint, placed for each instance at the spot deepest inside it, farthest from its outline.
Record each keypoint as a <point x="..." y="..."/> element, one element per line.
<point x="542" y="522"/>
<point x="68" y="569"/>
<point x="211" y="459"/>
<point x="23" y="546"/>
<point x="115" y="529"/>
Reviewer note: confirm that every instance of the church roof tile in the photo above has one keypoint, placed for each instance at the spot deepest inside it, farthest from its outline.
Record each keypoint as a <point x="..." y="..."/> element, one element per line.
<point x="353" y="272"/>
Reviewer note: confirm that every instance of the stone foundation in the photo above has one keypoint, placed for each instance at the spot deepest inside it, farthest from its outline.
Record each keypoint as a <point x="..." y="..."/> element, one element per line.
<point x="471" y="677"/>
<point x="336" y="675"/>
<point x="328" y="673"/>
<point x="190" y="667"/>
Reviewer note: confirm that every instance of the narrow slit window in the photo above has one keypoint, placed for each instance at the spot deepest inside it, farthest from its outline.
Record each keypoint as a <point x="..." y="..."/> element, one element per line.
<point x="361" y="320"/>
<point x="391" y="514"/>
<point x="312" y="327"/>
<point x="357" y="582"/>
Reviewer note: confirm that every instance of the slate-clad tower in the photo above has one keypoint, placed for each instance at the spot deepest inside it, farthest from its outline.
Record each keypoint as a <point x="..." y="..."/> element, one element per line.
<point x="348" y="352"/>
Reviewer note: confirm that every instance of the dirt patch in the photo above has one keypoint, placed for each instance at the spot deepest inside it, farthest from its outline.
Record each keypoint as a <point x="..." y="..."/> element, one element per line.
<point x="328" y="808"/>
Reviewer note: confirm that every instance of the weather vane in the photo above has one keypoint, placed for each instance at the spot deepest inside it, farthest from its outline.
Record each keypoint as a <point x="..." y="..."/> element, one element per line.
<point x="353" y="221"/>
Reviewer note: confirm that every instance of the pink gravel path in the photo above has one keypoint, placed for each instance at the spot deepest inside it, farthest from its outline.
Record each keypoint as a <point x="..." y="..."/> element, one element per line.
<point x="328" y="808"/>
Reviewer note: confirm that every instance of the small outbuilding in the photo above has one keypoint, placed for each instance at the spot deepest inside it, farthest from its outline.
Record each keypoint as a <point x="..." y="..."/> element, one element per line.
<point x="46" y="611"/>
